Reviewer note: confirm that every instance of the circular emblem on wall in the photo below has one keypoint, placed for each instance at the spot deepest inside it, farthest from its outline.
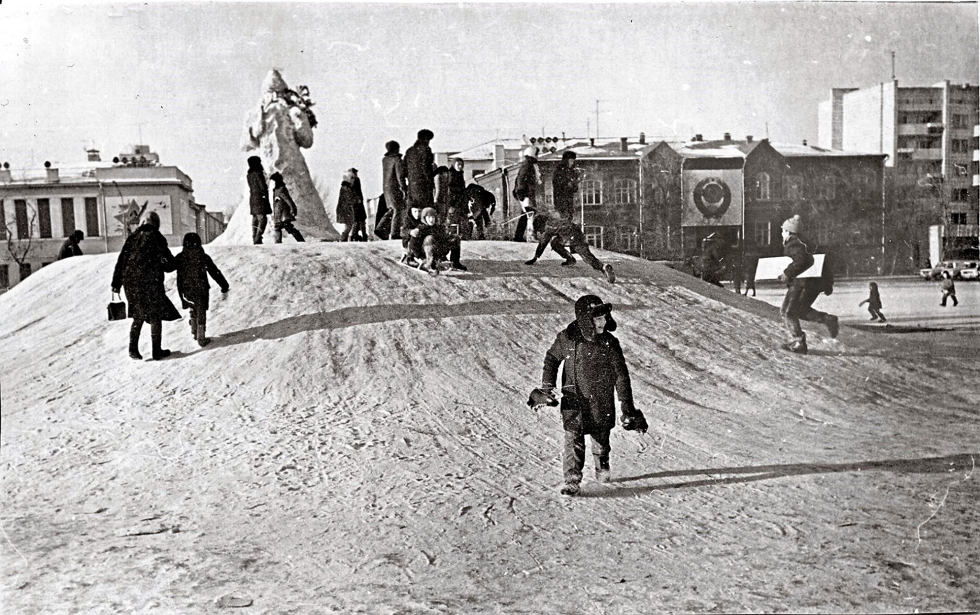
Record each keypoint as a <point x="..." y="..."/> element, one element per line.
<point x="712" y="197"/>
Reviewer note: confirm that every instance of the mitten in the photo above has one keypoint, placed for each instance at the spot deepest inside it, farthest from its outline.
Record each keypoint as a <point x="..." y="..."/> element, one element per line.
<point x="634" y="421"/>
<point x="541" y="397"/>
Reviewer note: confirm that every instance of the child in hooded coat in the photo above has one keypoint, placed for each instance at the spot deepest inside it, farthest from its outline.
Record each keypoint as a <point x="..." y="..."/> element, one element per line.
<point x="193" y="268"/>
<point x="594" y="370"/>
<point x="874" y="302"/>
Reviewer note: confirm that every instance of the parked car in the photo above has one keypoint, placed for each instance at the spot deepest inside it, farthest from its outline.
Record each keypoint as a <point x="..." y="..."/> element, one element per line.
<point x="955" y="269"/>
<point x="970" y="272"/>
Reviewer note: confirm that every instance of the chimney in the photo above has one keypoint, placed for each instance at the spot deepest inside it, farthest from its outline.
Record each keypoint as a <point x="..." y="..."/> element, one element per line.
<point x="804" y="141"/>
<point x="93" y="155"/>
<point x="5" y="172"/>
<point x="748" y="138"/>
<point x="498" y="156"/>
<point x="728" y="136"/>
<point x="699" y="137"/>
<point x="643" y="138"/>
<point x="592" y="141"/>
<point x="52" y="173"/>
<point x="622" y="144"/>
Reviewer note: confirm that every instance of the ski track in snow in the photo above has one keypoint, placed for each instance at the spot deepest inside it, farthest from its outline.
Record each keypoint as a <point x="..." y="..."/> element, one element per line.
<point x="356" y="440"/>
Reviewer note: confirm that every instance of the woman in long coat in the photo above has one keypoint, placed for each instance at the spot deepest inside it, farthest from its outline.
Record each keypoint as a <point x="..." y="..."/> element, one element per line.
<point x="258" y="198"/>
<point x="346" y="206"/>
<point x="140" y="269"/>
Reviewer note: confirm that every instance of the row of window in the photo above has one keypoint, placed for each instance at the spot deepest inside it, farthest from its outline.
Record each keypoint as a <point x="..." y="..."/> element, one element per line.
<point x="624" y="192"/>
<point x="825" y="188"/>
<point x="36" y="221"/>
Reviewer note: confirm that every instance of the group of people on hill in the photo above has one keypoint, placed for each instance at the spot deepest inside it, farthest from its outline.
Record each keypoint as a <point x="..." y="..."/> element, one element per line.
<point x="282" y="207"/>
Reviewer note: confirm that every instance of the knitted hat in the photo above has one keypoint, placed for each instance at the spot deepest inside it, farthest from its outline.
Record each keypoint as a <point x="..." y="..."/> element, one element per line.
<point x="793" y="225"/>
<point x="428" y="211"/>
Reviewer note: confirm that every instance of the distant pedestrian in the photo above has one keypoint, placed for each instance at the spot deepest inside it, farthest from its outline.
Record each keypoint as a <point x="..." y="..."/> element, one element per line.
<point x="359" y="232"/>
<point x="949" y="289"/>
<point x="346" y="205"/>
<point x="564" y="184"/>
<point x="481" y="203"/>
<point x="420" y="169"/>
<point x="395" y="187"/>
<point x="457" y="215"/>
<point x="874" y="302"/>
<point x="284" y="210"/>
<point x="193" y="268"/>
<point x="140" y="269"/>
<point x="711" y="259"/>
<point x="802" y="292"/>
<point x="594" y="374"/>
<point x="258" y="200"/>
<point x="525" y="191"/>
<point x="70" y="247"/>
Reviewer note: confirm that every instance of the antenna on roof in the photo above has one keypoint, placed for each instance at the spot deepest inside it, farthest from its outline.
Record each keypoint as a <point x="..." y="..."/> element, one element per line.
<point x="893" y="65"/>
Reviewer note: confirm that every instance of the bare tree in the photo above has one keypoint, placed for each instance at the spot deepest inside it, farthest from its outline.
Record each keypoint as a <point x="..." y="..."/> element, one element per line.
<point x="20" y="248"/>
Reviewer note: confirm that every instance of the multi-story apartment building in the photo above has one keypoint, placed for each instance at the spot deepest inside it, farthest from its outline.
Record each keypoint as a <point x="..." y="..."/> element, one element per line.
<point x="928" y="135"/>
<point x="660" y="199"/>
<point x="39" y="208"/>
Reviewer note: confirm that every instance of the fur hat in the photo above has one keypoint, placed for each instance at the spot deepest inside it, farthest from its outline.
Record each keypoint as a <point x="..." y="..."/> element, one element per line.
<point x="428" y="211"/>
<point x="153" y="219"/>
<point x="569" y="155"/>
<point x="277" y="179"/>
<point x="793" y="225"/>
<point x="425" y="135"/>
<point x="588" y="307"/>
<point x="392" y="147"/>
<point x="531" y="151"/>
<point x="254" y="163"/>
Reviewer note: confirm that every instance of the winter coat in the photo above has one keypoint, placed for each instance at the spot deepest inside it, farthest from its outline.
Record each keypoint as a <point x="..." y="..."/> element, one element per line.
<point x="283" y="207"/>
<point x="593" y="370"/>
<point x="457" y="191"/>
<point x="873" y="300"/>
<point x="258" y="194"/>
<point x="346" y="204"/>
<point x="526" y="184"/>
<point x="140" y="266"/>
<point x="69" y="248"/>
<point x="803" y="260"/>
<point x="420" y="168"/>
<point x="947" y="285"/>
<point x="481" y="202"/>
<point x="442" y="191"/>
<point x="564" y="184"/>
<point x="393" y="181"/>
<point x="408" y="225"/>
<point x="360" y="215"/>
<point x="193" y="268"/>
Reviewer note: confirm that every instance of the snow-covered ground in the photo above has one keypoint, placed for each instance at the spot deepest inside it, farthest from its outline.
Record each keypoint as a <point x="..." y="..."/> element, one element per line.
<point x="355" y="440"/>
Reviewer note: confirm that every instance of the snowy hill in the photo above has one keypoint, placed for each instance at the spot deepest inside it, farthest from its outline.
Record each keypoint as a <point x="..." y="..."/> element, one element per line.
<point x="356" y="440"/>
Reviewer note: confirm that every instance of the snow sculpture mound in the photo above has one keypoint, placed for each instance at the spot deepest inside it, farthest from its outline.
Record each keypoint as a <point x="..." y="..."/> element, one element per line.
<point x="276" y="130"/>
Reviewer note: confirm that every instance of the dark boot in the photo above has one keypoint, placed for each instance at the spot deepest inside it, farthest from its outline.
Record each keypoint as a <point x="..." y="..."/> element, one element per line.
<point x="296" y="234"/>
<point x="156" y="337"/>
<point x="134" y="340"/>
<point x="202" y="340"/>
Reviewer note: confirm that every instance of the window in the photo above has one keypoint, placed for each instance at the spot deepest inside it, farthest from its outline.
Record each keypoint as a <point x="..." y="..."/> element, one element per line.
<point x="91" y="216"/>
<point x="628" y="238"/>
<point x="961" y="146"/>
<point x="44" y="218"/>
<point x="960" y="194"/>
<point x="4" y="276"/>
<point x="594" y="236"/>
<point x="820" y="231"/>
<point x="960" y="121"/>
<point x="793" y="188"/>
<point x="762" y="233"/>
<point x="591" y="192"/>
<point x="23" y="223"/>
<point x="827" y="188"/>
<point x="624" y="191"/>
<point x="3" y="220"/>
<point x="25" y="270"/>
<point x="762" y="187"/>
<point x="67" y="216"/>
<point x="957" y="217"/>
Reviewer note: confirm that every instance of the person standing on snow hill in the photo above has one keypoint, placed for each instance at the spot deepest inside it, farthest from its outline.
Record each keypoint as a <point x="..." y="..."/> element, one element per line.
<point x="193" y="268"/>
<point x="949" y="289"/>
<point x="874" y="303"/>
<point x="360" y="215"/>
<point x="140" y="268"/>
<point x="395" y="188"/>
<point x="70" y="247"/>
<point x="525" y="190"/>
<point x="433" y="243"/>
<point x="456" y="213"/>
<point x="346" y="205"/>
<point x="420" y="167"/>
<point x="258" y="199"/>
<point x="594" y="370"/>
<point x="283" y="211"/>
<point x="802" y="292"/>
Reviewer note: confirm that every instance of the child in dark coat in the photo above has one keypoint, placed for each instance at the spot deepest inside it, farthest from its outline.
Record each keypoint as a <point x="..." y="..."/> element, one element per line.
<point x="284" y="210"/>
<point x="594" y="371"/>
<point x="874" y="302"/>
<point x="433" y="243"/>
<point x="949" y="289"/>
<point x="193" y="268"/>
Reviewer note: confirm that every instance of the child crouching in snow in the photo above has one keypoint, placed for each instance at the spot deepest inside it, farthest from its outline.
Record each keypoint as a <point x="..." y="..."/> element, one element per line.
<point x="594" y="370"/>
<point x="193" y="268"/>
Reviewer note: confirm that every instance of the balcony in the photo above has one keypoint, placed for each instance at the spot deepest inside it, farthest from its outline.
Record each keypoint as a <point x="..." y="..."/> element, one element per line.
<point x="913" y="130"/>
<point x="928" y="153"/>
<point x="962" y="230"/>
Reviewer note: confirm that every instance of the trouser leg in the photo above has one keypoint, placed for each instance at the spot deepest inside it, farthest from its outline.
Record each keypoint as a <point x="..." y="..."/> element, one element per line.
<point x="542" y="245"/>
<point x="397" y="218"/>
<point x="156" y="336"/>
<point x="587" y="255"/>
<point x="788" y="312"/>
<point x="454" y="249"/>
<point x="292" y="230"/>
<point x="277" y="234"/>
<point x="202" y="328"/>
<point x="573" y="457"/>
<point x="559" y="248"/>
<point x="134" y="338"/>
<point x="521" y="228"/>
<point x="601" y="449"/>
<point x="258" y="228"/>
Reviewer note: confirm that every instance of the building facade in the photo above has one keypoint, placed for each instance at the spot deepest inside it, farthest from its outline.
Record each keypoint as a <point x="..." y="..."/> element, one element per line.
<point x="928" y="135"/>
<point x="39" y="208"/>
<point x="659" y="200"/>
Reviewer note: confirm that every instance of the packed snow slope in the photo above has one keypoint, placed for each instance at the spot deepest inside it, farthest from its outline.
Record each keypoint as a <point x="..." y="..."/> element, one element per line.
<point x="356" y="440"/>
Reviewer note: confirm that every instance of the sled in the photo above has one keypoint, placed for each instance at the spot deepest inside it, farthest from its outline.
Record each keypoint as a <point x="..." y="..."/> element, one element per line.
<point x="772" y="267"/>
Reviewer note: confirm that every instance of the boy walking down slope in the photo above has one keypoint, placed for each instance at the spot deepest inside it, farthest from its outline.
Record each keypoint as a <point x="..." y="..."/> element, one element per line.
<point x="193" y="268"/>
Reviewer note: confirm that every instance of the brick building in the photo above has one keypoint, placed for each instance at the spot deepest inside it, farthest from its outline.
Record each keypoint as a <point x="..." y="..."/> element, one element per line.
<point x="928" y="135"/>
<point x="658" y="200"/>
<point x="39" y="208"/>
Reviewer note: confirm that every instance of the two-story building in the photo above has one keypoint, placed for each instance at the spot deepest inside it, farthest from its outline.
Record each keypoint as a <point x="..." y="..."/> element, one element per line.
<point x="39" y="208"/>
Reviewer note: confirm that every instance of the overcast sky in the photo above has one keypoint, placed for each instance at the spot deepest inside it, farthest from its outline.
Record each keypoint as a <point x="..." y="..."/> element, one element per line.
<point x="183" y="75"/>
